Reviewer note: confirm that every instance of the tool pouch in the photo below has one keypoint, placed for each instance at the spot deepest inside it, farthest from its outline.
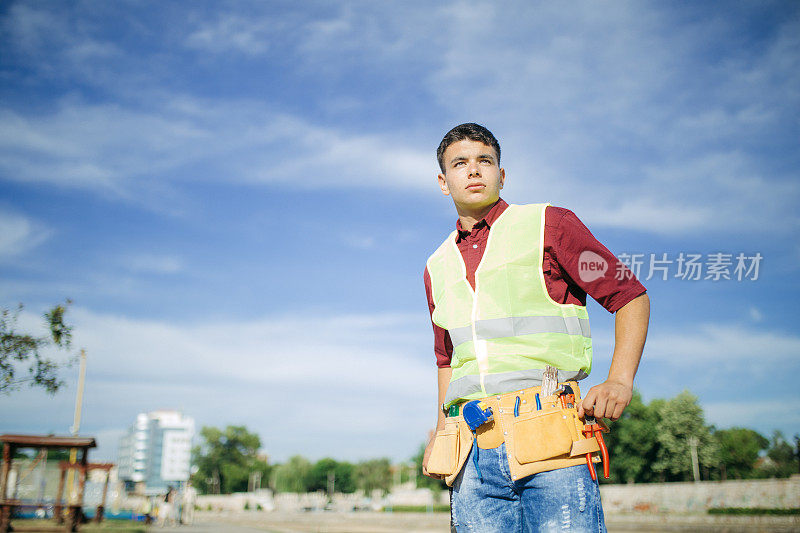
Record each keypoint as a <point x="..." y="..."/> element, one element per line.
<point x="443" y="459"/>
<point x="541" y="435"/>
<point x="451" y="447"/>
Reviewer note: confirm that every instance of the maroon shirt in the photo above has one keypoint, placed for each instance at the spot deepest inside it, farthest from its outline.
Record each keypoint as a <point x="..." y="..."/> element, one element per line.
<point x="565" y="238"/>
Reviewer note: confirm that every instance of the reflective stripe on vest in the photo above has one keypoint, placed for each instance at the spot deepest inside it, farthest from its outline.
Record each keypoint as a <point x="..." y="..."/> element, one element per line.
<point x="505" y="382"/>
<point x="508" y="329"/>
<point x="520" y="325"/>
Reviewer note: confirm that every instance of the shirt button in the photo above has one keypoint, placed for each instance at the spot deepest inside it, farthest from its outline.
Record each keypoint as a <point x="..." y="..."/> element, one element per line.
<point x="474" y="245"/>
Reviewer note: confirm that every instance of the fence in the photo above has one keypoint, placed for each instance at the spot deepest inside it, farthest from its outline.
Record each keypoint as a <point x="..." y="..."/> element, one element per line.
<point x="699" y="497"/>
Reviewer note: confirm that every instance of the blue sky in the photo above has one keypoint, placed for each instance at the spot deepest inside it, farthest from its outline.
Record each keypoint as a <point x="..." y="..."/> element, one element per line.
<point x="240" y="197"/>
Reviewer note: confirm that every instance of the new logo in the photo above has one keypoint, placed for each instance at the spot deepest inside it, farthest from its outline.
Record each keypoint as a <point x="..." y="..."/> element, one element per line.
<point x="591" y="266"/>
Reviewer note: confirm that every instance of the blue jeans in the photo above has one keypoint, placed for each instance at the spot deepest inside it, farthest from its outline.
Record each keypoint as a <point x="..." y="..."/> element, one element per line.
<point x="558" y="500"/>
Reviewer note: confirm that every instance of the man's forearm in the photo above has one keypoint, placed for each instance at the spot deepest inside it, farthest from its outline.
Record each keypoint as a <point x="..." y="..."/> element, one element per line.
<point x="630" y="332"/>
<point x="610" y="398"/>
<point x="443" y="377"/>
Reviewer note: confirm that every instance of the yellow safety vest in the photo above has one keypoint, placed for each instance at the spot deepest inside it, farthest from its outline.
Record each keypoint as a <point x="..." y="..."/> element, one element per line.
<point x="507" y="330"/>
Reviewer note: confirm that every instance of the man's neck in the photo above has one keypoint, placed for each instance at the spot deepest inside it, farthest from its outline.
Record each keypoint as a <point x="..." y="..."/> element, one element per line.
<point x="469" y="218"/>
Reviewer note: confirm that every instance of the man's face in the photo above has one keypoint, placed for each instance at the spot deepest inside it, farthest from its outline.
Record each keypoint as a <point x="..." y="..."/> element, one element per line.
<point x="472" y="175"/>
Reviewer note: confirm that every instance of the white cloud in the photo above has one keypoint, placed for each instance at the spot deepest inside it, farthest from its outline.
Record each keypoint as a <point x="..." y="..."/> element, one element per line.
<point x="645" y="214"/>
<point x="19" y="234"/>
<point x="325" y="158"/>
<point x="341" y="376"/>
<point x="55" y="40"/>
<point x="360" y="242"/>
<point x="724" y="344"/>
<point x="30" y="28"/>
<point x="151" y="263"/>
<point x="367" y="35"/>
<point x="126" y="151"/>
<point x="233" y="33"/>
<point x="763" y="414"/>
<point x="267" y="351"/>
<point x="614" y="111"/>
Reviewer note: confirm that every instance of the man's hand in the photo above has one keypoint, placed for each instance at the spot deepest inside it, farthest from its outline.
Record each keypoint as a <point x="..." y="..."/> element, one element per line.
<point x="427" y="454"/>
<point x="606" y="400"/>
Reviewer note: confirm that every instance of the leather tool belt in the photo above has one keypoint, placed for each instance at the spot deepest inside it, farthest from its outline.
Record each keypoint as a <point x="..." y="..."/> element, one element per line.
<point x="536" y="440"/>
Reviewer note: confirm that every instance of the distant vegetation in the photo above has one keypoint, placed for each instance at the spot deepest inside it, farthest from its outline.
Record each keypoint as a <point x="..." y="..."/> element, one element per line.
<point x="22" y="358"/>
<point x="228" y="459"/>
<point x="650" y="443"/>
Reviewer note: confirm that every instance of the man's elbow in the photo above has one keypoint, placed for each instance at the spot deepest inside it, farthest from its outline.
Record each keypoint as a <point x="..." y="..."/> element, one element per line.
<point x="644" y="300"/>
<point x="641" y="302"/>
<point x="637" y="309"/>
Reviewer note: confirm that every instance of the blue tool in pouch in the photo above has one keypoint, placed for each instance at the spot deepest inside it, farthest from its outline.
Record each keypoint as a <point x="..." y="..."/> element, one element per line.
<point x="476" y="413"/>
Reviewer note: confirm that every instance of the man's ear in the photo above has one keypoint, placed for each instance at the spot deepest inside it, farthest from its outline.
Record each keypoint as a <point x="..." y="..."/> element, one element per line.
<point x="502" y="177"/>
<point x="443" y="185"/>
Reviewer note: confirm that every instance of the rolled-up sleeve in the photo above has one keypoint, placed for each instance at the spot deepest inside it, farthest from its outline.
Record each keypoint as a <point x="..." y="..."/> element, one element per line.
<point x="582" y="258"/>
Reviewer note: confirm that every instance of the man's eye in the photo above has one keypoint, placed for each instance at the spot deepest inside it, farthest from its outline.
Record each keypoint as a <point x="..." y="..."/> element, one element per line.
<point x="486" y="161"/>
<point x="459" y="163"/>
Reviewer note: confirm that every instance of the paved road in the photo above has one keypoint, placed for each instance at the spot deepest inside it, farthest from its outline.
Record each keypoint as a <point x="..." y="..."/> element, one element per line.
<point x="278" y="522"/>
<point x="207" y="527"/>
<point x="317" y="522"/>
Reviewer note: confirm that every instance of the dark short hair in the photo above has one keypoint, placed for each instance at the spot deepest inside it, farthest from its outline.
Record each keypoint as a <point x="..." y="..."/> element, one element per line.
<point x="469" y="131"/>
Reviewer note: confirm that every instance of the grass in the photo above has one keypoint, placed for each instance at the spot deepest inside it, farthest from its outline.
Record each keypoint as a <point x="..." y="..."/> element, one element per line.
<point x="438" y="508"/>
<point x="753" y="511"/>
<point x="114" y="526"/>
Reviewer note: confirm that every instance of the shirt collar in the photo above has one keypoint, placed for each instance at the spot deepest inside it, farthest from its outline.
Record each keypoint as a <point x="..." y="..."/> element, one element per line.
<point x="493" y="214"/>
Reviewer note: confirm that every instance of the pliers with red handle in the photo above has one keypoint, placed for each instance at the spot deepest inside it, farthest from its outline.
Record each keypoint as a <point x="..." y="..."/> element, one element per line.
<point x="592" y="429"/>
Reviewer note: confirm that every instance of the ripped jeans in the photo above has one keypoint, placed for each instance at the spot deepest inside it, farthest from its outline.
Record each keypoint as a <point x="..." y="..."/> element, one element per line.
<point x="558" y="500"/>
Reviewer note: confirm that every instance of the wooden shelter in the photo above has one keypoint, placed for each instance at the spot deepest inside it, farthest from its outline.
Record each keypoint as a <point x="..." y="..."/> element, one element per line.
<point x="82" y="467"/>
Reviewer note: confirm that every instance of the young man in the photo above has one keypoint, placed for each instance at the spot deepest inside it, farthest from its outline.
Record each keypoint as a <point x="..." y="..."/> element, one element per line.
<point x="507" y="296"/>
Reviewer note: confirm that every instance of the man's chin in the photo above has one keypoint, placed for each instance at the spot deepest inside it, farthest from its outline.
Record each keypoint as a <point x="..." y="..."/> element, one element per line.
<point x="475" y="203"/>
<point x="479" y="199"/>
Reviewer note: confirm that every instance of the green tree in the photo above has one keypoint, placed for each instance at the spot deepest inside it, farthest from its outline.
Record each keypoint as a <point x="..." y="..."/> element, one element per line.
<point x="633" y="443"/>
<point x="781" y="459"/>
<point x="20" y="349"/>
<point x="739" y="450"/>
<point x="680" y="420"/>
<point x="341" y="473"/>
<point x="291" y="476"/>
<point x="372" y="475"/>
<point x="226" y="459"/>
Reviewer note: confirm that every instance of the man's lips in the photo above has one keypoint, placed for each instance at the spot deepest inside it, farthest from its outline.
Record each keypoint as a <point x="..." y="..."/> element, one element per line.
<point x="475" y="186"/>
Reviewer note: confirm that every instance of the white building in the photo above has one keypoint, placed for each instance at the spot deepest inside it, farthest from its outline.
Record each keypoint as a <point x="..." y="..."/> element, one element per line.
<point x="156" y="451"/>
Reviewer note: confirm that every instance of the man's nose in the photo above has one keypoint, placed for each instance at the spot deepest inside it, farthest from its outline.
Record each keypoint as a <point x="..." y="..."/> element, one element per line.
<point x="474" y="169"/>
